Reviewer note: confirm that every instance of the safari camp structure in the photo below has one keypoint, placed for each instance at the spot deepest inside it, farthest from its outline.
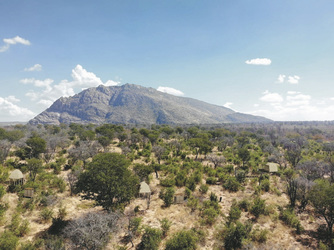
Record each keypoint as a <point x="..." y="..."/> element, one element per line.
<point x="16" y="177"/>
<point x="271" y="167"/>
<point x="145" y="192"/>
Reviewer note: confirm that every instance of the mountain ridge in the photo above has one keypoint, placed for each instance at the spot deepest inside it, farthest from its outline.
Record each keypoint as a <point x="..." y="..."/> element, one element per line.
<point x="134" y="104"/>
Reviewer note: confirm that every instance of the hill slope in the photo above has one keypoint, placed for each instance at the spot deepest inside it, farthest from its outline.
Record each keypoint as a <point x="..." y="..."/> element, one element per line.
<point x="134" y="104"/>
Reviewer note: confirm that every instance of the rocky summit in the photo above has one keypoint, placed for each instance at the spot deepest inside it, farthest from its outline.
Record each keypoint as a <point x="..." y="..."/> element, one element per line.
<point x="134" y="104"/>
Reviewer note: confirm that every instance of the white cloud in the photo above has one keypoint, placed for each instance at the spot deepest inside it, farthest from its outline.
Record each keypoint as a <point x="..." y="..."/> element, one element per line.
<point x="10" y="111"/>
<point x="228" y="105"/>
<point x="81" y="79"/>
<point x="36" y="67"/>
<point x="295" y="106"/>
<point x="16" y="40"/>
<point x="298" y="100"/>
<point x="271" y="97"/>
<point x="259" y="61"/>
<point x="293" y="79"/>
<point x="281" y="78"/>
<point x="293" y="92"/>
<point x="13" y="41"/>
<point x="111" y="83"/>
<point x="171" y="91"/>
<point x="46" y="103"/>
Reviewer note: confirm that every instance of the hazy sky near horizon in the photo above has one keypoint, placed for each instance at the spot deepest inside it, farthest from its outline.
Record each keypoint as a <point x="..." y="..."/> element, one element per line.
<point x="268" y="58"/>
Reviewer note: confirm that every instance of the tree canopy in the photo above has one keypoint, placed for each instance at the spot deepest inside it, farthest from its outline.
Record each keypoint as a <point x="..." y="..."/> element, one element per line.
<point x="108" y="181"/>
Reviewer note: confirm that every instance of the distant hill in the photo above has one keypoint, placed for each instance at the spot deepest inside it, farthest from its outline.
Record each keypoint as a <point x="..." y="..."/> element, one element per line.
<point x="134" y="104"/>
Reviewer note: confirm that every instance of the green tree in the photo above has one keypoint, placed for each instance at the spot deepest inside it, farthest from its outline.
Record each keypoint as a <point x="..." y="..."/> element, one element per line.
<point x="108" y="181"/>
<point x="321" y="197"/>
<point x="201" y="145"/>
<point x="35" y="166"/>
<point x="36" y="146"/>
<point x="244" y="155"/>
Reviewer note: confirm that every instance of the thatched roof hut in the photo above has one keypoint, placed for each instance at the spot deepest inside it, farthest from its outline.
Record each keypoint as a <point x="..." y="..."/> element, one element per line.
<point x="16" y="177"/>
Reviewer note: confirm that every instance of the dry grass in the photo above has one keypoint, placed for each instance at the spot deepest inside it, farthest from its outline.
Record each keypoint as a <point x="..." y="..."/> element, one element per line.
<point x="280" y="236"/>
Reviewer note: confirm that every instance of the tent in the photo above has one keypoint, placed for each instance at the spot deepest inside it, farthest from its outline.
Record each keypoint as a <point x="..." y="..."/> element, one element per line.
<point x="17" y="177"/>
<point x="144" y="189"/>
<point x="271" y="167"/>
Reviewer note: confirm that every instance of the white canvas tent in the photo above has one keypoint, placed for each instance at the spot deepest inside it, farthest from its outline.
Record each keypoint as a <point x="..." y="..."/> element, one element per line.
<point x="144" y="189"/>
<point x="271" y="167"/>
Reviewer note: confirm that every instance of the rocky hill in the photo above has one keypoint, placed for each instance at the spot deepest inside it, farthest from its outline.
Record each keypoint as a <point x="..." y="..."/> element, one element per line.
<point x="134" y="104"/>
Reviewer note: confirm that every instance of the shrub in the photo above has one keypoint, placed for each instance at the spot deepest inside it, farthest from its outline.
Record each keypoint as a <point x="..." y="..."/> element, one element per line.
<point x="258" y="207"/>
<point x="8" y="241"/>
<point x="91" y="231"/>
<point x="165" y="226"/>
<point x="234" y="213"/>
<point x="259" y="235"/>
<point x="211" y="180"/>
<point x="288" y="217"/>
<point x="46" y="214"/>
<point x="180" y="179"/>
<point x="134" y="225"/>
<point x="167" y="195"/>
<point x="53" y="242"/>
<point x="185" y="239"/>
<point x="23" y="228"/>
<point x="244" y="205"/>
<point x="191" y="184"/>
<point x="241" y="176"/>
<point x="3" y="209"/>
<point x="168" y="182"/>
<point x="204" y="188"/>
<point x="213" y="197"/>
<point x="209" y="215"/>
<point x="2" y="191"/>
<point x="150" y="240"/>
<point x="192" y="203"/>
<point x="234" y="233"/>
<point x="231" y="184"/>
<point x="187" y="192"/>
<point x="265" y="185"/>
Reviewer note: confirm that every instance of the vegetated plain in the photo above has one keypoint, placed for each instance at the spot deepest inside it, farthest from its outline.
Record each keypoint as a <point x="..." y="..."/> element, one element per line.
<point x="85" y="181"/>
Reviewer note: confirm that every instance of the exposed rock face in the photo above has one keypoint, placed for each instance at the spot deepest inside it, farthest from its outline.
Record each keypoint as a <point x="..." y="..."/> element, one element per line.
<point x="133" y="104"/>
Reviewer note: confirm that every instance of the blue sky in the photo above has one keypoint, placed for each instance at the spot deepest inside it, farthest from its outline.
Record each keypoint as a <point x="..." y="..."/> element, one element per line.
<point x="269" y="58"/>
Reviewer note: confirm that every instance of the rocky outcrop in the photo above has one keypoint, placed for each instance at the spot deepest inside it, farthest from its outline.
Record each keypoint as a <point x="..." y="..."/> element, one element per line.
<point x="134" y="104"/>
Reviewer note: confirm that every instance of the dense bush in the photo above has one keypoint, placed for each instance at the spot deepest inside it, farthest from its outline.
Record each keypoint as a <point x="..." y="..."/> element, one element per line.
<point x="265" y="185"/>
<point x="258" y="207"/>
<point x="203" y="188"/>
<point x="8" y="241"/>
<point x="234" y="213"/>
<point x="231" y="184"/>
<point x="289" y="218"/>
<point x="185" y="240"/>
<point x="151" y="239"/>
<point x="233" y="234"/>
<point x="167" y="195"/>
<point x="211" y="180"/>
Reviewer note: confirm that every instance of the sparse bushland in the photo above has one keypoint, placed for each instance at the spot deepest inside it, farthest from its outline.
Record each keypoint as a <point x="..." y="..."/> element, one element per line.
<point x="216" y="168"/>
